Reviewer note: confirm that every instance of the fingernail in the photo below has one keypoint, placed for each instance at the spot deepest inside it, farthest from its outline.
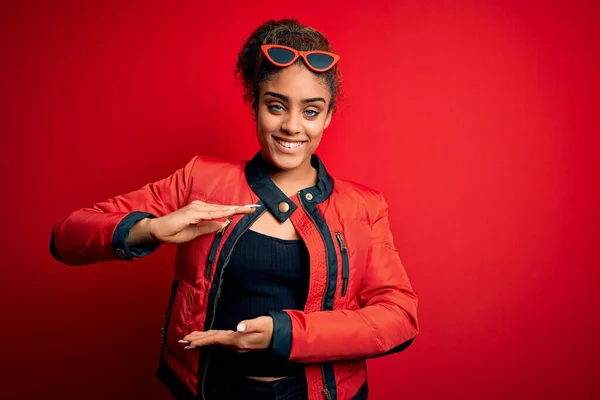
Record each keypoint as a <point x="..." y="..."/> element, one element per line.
<point x="189" y="347"/>
<point x="233" y="208"/>
<point x="241" y="327"/>
<point x="252" y="205"/>
<point x="183" y="341"/>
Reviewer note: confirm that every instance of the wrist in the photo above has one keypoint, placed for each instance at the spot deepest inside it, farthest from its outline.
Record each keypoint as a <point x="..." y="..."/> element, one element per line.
<point x="150" y="229"/>
<point x="131" y="236"/>
<point x="281" y="338"/>
<point x="141" y="232"/>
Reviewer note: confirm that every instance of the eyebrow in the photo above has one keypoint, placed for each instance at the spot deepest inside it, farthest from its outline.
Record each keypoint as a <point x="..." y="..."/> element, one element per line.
<point x="286" y="99"/>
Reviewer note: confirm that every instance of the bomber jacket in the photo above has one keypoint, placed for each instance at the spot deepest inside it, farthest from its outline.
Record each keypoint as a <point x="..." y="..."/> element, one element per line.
<point x="360" y="303"/>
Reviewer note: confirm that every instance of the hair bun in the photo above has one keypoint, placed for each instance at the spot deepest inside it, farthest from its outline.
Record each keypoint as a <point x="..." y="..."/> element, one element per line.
<point x="252" y="69"/>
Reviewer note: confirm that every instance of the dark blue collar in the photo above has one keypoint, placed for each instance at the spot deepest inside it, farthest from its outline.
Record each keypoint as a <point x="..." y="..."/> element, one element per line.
<point x="272" y="197"/>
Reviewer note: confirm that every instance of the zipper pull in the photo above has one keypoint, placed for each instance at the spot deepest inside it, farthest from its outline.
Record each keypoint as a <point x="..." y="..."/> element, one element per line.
<point x="212" y="254"/>
<point x="340" y="239"/>
<point x="325" y="393"/>
<point x="345" y="267"/>
<point x="223" y="229"/>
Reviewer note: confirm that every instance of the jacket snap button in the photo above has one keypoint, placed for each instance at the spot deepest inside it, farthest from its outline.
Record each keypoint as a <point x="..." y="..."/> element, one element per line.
<point x="284" y="207"/>
<point x="121" y="253"/>
<point x="309" y="196"/>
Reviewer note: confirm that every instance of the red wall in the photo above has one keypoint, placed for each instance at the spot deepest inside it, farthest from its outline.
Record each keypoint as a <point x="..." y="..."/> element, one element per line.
<point x="479" y="122"/>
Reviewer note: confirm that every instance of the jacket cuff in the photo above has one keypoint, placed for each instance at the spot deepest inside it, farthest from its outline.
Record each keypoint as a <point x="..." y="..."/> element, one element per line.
<point x="119" y="239"/>
<point x="53" y="249"/>
<point x="281" y="345"/>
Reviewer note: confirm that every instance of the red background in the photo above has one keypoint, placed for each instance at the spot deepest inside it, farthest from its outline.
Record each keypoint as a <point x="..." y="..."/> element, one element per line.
<point x="479" y="123"/>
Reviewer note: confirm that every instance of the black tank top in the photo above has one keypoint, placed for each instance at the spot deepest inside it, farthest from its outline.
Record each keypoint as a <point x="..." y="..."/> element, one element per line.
<point x="264" y="274"/>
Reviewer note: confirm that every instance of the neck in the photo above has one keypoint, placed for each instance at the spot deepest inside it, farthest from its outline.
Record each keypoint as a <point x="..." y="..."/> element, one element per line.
<point x="292" y="181"/>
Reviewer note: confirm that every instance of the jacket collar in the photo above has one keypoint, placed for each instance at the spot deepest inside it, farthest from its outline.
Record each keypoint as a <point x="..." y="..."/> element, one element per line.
<point x="273" y="198"/>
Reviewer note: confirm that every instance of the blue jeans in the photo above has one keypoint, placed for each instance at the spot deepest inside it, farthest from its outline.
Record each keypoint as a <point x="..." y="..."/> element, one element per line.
<point x="290" y="388"/>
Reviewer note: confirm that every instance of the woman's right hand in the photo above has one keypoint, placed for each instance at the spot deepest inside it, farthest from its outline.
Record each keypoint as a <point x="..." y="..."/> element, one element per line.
<point x="187" y="223"/>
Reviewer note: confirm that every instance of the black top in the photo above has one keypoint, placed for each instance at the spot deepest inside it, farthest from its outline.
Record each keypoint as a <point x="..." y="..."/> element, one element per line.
<point x="264" y="274"/>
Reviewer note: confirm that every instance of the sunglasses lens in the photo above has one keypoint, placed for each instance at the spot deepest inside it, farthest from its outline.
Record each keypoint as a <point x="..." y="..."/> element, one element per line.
<point x="320" y="61"/>
<point x="281" y="56"/>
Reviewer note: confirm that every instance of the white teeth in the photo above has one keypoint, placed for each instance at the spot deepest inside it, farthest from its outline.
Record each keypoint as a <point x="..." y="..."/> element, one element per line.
<point x="289" y="145"/>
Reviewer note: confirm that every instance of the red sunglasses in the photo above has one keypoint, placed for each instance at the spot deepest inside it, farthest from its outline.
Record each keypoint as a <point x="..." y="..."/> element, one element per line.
<point x="283" y="56"/>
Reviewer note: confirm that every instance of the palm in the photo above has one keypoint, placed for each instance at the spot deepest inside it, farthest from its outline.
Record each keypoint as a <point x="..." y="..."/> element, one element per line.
<point x="195" y="219"/>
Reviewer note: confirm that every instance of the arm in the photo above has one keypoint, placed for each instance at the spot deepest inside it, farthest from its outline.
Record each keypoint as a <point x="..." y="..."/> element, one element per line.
<point x="385" y="323"/>
<point x="101" y="232"/>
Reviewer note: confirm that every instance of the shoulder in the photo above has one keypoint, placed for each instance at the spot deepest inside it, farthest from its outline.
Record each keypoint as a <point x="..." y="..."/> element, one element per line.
<point x="205" y="169"/>
<point x="215" y="179"/>
<point x="365" y="202"/>
<point x="201" y="164"/>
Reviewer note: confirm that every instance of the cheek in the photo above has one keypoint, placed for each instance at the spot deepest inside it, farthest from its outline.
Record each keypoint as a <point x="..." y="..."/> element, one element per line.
<point x="315" y="140"/>
<point x="266" y="123"/>
<point x="315" y="131"/>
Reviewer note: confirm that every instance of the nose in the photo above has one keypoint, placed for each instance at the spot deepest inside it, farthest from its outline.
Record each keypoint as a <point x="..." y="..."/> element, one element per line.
<point x="291" y="124"/>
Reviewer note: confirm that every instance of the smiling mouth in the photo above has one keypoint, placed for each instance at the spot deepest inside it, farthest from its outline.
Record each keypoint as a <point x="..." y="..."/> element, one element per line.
<point x="287" y="144"/>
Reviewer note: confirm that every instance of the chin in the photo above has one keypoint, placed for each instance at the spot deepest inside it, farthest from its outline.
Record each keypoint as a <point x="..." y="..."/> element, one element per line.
<point x="286" y="162"/>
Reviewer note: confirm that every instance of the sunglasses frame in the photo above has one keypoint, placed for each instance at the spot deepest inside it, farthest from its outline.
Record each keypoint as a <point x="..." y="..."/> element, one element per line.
<point x="297" y="53"/>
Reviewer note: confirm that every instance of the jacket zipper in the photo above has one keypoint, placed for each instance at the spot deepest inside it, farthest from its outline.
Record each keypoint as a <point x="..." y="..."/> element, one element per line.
<point x="168" y="315"/>
<point x="215" y="246"/>
<point x="219" y="292"/>
<point x="325" y="391"/>
<point x="345" y="266"/>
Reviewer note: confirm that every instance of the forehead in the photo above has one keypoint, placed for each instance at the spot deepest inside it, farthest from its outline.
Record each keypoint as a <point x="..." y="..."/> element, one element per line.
<point x="297" y="82"/>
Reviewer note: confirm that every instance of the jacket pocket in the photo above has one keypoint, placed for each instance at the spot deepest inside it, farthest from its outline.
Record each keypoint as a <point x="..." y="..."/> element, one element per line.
<point x="163" y="331"/>
<point x="212" y="255"/>
<point x="345" y="262"/>
<point x="179" y="322"/>
<point x="179" y="319"/>
<point x="351" y="375"/>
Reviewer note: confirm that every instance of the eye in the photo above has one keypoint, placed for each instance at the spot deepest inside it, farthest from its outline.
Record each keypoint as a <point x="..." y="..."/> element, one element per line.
<point x="275" y="107"/>
<point x="311" y="113"/>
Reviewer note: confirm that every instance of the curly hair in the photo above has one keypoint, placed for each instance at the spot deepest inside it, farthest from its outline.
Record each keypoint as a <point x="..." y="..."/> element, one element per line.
<point x="253" y="68"/>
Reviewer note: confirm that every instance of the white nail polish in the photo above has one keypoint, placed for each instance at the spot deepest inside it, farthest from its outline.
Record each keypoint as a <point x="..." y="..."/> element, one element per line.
<point x="252" y="205"/>
<point x="233" y="208"/>
<point x="189" y="347"/>
<point x="241" y="327"/>
<point x="183" y="341"/>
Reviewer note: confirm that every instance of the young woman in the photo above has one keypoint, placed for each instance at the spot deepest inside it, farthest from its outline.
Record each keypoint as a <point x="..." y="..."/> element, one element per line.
<point x="286" y="279"/>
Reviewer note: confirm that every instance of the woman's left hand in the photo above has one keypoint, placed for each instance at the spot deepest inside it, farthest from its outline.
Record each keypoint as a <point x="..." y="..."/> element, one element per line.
<point x="252" y="335"/>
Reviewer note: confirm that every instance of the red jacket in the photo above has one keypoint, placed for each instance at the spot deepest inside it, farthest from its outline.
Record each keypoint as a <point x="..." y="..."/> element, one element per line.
<point x="360" y="302"/>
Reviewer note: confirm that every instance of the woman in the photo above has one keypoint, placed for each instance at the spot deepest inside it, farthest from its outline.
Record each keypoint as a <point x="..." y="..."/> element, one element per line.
<point x="286" y="279"/>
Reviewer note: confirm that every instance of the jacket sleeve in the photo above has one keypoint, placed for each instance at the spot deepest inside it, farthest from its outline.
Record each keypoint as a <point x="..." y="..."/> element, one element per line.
<point x="99" y="232"/>
<point x="386" y="321"/>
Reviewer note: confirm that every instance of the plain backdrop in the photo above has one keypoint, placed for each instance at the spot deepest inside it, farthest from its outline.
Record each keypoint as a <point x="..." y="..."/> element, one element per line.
<point x="477" y="120"/>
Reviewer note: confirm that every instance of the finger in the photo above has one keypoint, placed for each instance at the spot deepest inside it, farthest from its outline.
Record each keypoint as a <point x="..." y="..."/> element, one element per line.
<point x="222" y="338"/>
<point x="251" y="206"/>
<point x="199" y="334"/>
<point x="216" y="207"/>
<point x="243" y="326"/>
<point x="218" y="214"/>
<point x="195" y="216"/>
<point x="248" y="208"/>
<point x="196" y="334"/>
<point x="192" y="338"/>
<point x="252" y="325"/>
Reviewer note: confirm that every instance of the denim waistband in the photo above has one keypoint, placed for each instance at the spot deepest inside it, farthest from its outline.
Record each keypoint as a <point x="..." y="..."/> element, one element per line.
<point x="289" y="388"/>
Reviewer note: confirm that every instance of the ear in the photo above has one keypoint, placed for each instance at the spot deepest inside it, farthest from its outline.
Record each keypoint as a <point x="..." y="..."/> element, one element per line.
<point x="328" y="119"/>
